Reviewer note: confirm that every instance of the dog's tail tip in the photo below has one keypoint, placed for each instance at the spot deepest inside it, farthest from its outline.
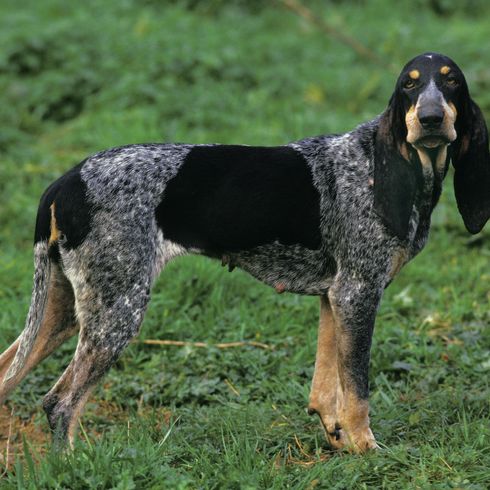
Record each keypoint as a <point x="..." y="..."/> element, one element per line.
<point x="42" y="268"/>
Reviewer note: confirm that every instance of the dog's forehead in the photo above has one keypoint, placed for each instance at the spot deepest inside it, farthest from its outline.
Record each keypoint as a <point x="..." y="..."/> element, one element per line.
<point x="425" y="65"/>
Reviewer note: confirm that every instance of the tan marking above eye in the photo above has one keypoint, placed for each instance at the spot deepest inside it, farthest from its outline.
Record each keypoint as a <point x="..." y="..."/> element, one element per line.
<point x="445" y="70"/>
<point x="414" y="74"/>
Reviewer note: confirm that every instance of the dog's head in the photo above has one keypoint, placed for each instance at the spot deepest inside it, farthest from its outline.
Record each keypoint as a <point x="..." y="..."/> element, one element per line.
<point x="431" y="118"/>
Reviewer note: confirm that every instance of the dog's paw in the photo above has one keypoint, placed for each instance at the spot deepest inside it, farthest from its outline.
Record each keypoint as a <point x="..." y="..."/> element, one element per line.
<point x="333" y="432"/>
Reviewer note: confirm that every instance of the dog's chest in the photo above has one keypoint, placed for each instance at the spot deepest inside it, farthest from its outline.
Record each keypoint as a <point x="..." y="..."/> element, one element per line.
<point x="286" y="268"/>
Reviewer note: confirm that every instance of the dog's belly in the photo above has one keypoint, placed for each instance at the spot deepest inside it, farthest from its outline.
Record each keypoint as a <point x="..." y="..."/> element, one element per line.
<point x="286" y="268"/>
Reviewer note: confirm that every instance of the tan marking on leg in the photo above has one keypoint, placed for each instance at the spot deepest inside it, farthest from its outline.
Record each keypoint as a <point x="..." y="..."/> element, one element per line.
<point x="414" y="74"/>
<point x="6" y="359"/>
<point x="75" y="380"/>
<point x="354" y="420"/>
<point x="445" y="70"/>
<point x="65" y="402"/>
<point x="77" y="413"/>
<point x="325" y="385"/>
<point x="52" y="332"/>
<point x="352" y="412"/>
<point x="54" y="229"/>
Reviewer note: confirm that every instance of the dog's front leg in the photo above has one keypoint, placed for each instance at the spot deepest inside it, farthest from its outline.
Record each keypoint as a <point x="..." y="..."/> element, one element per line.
<point x="354" y="305"/>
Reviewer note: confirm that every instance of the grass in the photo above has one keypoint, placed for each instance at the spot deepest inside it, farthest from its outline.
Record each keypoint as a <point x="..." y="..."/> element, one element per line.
<point x="76" y="79"/>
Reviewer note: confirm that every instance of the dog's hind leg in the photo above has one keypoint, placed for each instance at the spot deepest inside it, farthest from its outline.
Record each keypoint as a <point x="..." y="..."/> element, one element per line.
<point x="110" y="314"/>
<point x="57" y="323"/>
<point x="5" y="361"/>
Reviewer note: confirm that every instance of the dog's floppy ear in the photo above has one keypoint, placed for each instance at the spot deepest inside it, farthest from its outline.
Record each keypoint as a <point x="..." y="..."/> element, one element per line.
<point x="396" y="178"/>
<point x="471" y="160"/>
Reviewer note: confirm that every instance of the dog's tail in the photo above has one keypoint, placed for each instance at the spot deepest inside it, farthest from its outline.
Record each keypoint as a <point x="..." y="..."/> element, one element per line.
<point x="42" y="270"/>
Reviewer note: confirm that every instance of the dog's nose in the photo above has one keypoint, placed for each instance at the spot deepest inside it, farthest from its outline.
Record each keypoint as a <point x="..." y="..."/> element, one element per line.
<point x="431" y="119"/>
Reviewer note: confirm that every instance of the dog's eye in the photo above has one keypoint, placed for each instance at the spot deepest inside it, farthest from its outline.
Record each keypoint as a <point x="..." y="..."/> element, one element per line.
<point x="452" y="82"/>
<point x="409" y="84"/>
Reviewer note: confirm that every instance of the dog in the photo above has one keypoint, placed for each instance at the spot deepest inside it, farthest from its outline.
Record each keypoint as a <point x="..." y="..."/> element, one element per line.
<point x="333" y="216"/>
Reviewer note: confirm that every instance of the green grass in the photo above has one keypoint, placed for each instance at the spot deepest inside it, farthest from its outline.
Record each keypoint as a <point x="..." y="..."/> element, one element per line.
<point x="77" y="79"/>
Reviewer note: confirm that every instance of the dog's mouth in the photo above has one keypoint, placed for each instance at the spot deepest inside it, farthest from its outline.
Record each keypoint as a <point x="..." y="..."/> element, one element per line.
<point x="432" y="141"/>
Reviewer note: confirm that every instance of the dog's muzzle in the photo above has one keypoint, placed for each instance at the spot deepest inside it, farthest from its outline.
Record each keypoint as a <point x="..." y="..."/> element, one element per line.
<point x="432" y="124"/>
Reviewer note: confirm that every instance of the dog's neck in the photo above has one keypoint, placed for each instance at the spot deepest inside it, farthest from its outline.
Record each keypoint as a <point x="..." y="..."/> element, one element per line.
<point x="433" y="160"/>
<point x="434" y="163"/>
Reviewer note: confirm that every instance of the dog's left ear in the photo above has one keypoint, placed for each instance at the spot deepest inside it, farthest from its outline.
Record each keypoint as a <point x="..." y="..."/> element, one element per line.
<point x="471" y="160"/>
<point x="396" y="178"/>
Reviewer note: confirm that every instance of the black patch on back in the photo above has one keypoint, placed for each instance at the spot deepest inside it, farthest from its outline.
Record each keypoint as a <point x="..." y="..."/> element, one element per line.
<point x="232" y="198"/>
<point x="72" y="210"/>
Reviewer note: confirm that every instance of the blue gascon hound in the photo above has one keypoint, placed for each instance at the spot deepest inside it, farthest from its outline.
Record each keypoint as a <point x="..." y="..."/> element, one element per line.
<point x="333" y="216"/>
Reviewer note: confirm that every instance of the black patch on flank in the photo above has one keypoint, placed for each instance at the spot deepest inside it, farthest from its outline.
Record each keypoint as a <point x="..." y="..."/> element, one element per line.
<point x="233" y="198"/>
<point x="72" y="210"/>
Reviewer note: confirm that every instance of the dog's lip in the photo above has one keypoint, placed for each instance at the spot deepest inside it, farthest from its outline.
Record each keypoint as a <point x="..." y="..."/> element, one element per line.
<point x="433" y="141"/>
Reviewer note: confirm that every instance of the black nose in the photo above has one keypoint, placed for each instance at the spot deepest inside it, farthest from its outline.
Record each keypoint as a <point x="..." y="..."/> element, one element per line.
<point x="431" y="119"/>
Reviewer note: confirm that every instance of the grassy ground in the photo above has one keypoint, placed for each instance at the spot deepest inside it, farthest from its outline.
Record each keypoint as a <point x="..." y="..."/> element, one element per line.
<point x="76" y="79"/>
